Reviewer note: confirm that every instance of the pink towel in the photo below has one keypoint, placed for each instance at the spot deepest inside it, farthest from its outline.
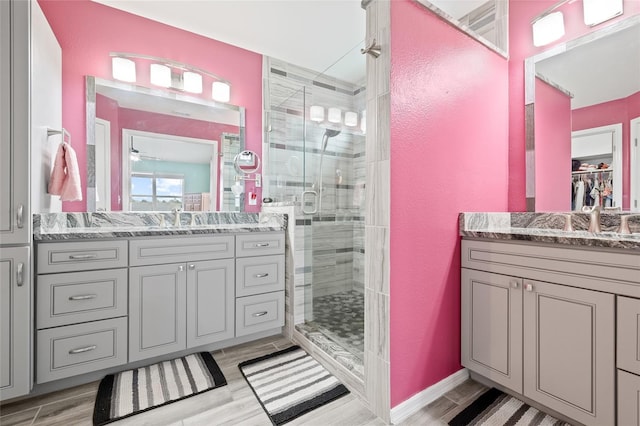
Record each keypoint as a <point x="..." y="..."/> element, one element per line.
<point x="65" y="176"/>
<point x="58" y="173"/>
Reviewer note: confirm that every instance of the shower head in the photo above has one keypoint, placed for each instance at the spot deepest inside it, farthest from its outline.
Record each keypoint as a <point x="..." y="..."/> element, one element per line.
<point x="328" y="133"/>
<point x="331" y="133"/>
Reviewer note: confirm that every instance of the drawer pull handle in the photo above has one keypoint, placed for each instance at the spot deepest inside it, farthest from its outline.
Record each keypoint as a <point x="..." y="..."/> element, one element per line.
<point x="82" y="350"/>
<point x="262" y="244"/>
<point x="83" y="256"/>
<point x="20" y="274"/>
<point x="528" y="287"/>
<point x="260" y="314"/>
<point x="514" y="284"/>
<point x="261" y="275"/>
<point x="83" y="297"/>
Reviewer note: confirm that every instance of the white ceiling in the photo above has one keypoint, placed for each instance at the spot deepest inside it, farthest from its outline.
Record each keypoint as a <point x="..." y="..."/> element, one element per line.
<point x="317" y="34"/>
<point x="310" y="33"/>
<point x="600" y="71"/>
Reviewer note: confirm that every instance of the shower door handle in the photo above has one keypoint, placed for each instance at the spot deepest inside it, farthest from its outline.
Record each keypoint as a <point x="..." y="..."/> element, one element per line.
<point x="315" y="203"/>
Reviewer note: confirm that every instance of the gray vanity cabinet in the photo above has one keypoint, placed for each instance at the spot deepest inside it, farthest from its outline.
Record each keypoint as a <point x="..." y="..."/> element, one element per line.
<point x="628" y="360"/>
<point x="554" y="343"/>
<point x="492" y="326"/>
<point x="157" y="310"/>
<point x="569" y="357"/>
<point x="209" y="302"/>
<point x="175" y="306"/>
<point x="15" y="321"/>
<point x="81" y="307"/>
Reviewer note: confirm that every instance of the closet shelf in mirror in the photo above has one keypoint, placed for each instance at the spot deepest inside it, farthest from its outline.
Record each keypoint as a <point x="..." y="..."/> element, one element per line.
<point x="585" y="172"/>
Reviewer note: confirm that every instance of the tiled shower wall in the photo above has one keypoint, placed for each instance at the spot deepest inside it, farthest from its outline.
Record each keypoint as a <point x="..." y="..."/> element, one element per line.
<point x="334" y="260"/>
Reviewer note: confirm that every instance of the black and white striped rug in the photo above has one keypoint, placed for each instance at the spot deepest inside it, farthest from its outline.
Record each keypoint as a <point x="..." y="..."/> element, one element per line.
<point x="495" y="408"/>
<point x="134" y="391"/>
<point x="289" y="383"/>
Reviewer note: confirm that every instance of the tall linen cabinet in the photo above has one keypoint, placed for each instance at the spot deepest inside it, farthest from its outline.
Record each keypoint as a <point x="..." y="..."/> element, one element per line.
<point x="30" y="58"/>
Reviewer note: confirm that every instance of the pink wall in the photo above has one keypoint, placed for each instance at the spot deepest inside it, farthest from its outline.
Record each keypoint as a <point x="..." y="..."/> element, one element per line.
<point x="88" y="32"/>
<point x="521" y="13"/>
<point x="553" y="156"/>
<point x="449" y="104"/>
<point x="613" y="112"/>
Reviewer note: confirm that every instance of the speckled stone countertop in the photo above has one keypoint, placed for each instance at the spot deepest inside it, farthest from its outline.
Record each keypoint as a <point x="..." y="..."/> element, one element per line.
<point x="548" y="228"/>
<point x="75" y="226"/>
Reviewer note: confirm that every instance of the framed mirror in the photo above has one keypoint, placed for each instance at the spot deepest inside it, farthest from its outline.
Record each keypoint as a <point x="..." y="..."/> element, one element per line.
<point x="485" y="20"/>
<point x="156" y="150"/>
<point x="582" y="104"/>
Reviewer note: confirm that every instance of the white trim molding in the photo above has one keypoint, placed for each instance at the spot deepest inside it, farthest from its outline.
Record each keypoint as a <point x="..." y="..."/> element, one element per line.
<point x="412" y="405"/>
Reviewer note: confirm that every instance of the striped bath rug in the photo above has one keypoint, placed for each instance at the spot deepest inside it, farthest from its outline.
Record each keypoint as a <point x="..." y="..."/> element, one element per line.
<point x="134" y="391"/>
<point x="495" y="408"/>
<point x="289" y="383"/>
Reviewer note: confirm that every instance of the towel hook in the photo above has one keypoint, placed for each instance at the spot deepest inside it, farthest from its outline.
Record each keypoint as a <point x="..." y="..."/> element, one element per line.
<point x="66" y="136"/>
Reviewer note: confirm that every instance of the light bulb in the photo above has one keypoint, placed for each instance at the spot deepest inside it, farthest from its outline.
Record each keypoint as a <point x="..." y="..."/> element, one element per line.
<point x="220" y="91"/>
<point x="316" y="113"/>
<point x="192" y="82"/>
<point x="335" y="115"/>
<point x="351" y="118"/>
<point x="123" y="69"/>
<point x="548" y="29"/>
<point x="160" y="75"/>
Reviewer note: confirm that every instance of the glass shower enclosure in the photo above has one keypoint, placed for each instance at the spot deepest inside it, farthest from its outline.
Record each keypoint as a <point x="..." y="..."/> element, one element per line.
<point x="316" y="161"/>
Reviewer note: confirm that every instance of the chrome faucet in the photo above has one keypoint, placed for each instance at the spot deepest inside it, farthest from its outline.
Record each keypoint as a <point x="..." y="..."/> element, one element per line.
<point x="624" y="223"/>
<point x="176" y="221"/>
<point x="594" y="220"/>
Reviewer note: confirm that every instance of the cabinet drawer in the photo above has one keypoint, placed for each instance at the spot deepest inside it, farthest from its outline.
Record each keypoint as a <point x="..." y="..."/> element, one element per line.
<point x="259" y="313"/>
<point x="262" y="274"/>
<point x="260" y="244"/>
<point x="180" y="249"/>
<point x="81" y="256"/>
<point x="75" y="297"/>
<point x="78" y="349"/>
<point x="628" y="338"/>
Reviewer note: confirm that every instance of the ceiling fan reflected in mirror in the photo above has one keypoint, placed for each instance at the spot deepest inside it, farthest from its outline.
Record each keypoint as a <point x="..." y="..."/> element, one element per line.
<point x="135" y="155"/>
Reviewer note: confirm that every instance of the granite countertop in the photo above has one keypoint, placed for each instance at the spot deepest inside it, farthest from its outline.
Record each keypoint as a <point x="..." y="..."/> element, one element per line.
<point x="548" y="228"/>
<point x="78" y="226"/>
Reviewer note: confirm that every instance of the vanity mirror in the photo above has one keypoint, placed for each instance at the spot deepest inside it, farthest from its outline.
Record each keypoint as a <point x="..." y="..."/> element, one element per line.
<point x="582" y="102"/>
<point x="159" y="150"/>
<point x="246" y="162"/>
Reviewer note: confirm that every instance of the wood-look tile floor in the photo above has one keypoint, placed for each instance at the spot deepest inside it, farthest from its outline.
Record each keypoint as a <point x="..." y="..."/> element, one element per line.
<point x="234" y="404"/>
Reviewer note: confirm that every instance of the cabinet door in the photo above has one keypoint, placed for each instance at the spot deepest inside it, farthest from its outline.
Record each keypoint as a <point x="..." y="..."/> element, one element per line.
<point x="210" y="301"/>
<point x="15" y="326"/>
<point x="628" y="332"/>
<point x="568" y="345"/>
<point x="157" y="310"/>
<point x="15" y="219"/>
<point x="492" y="326"/>
<point x="628" y="399"/>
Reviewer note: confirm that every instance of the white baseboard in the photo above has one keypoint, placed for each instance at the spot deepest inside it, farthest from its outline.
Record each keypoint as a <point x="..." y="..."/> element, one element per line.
<point x="412" y="405"/>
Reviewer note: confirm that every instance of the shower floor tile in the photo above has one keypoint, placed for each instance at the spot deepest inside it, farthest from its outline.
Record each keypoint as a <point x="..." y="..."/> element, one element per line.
<point x="342" y="315"/>
<point x="338" y="328"/>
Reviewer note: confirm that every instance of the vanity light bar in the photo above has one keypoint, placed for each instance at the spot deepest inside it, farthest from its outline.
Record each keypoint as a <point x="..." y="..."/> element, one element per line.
<point x="124" y="69"/>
